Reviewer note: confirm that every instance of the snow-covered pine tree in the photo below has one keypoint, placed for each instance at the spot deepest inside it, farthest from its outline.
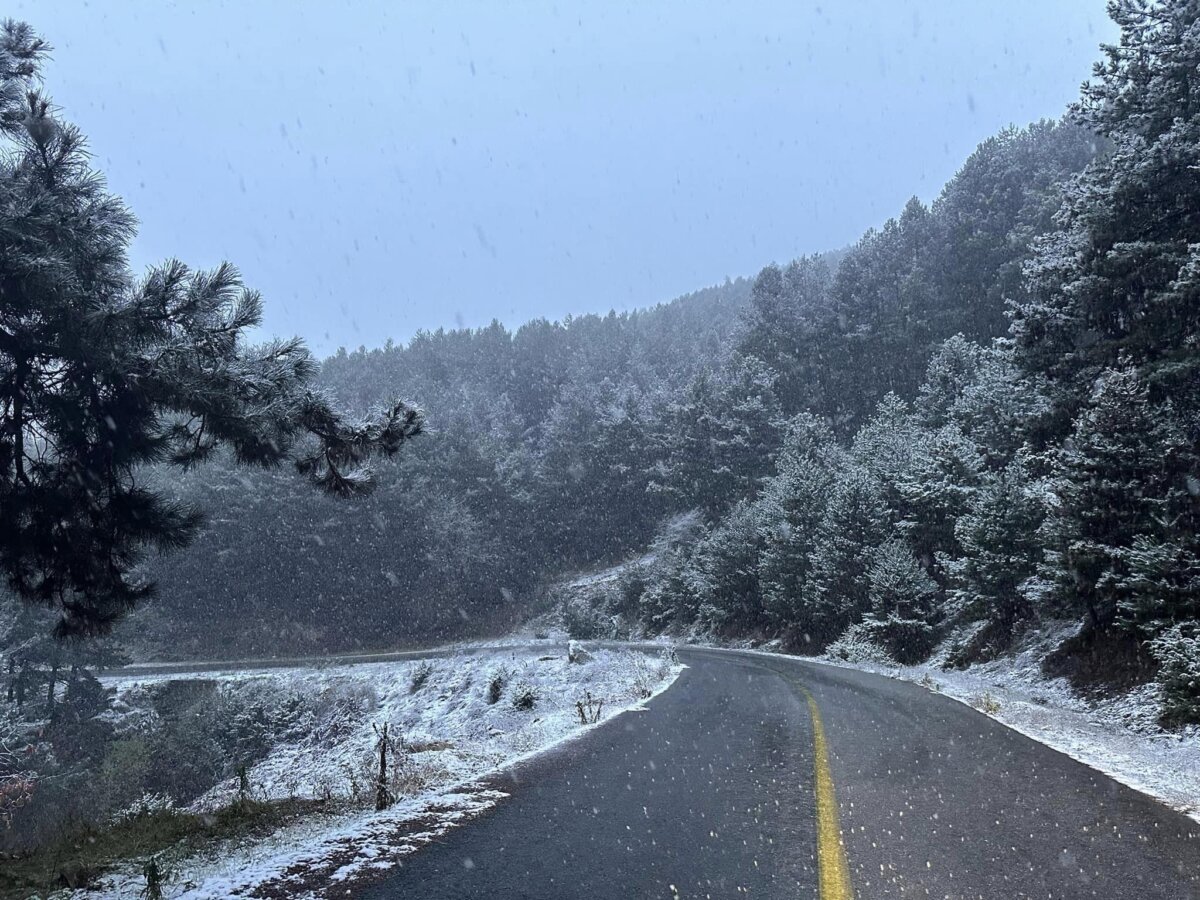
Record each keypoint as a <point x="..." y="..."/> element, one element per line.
<point x="888" y="446"/>
<point x="934" y="490"/>
<point x="855" y="522"/>
<point x="1117" y="284"/>
<point x="904" y="609"/>
<point x="724" y="571"/>
<point x="782" y="326"/>
<point x="1177" y="652"/>
<point x="998" y="201"/>
<point x="688" y="472"/>
<point x="982" y="392"/>
<point x="1162" y="584"/>
<point x="102" y="373"/>
<point x="953" y="367"/>
<point x="1122" y="488"/>
<point x="669" y="599"/>
<point x="792" y="504"/>
<point x="1001" y="549"/>
<point x="721" y="437"/>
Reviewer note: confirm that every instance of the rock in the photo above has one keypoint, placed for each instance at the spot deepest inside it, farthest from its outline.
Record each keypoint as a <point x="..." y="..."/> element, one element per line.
<point x="576" y="653"/>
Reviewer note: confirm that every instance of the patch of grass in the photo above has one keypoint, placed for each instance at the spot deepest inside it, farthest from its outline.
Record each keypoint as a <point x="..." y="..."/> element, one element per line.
<point x="589" y="708"/>
<point x="646" y="672"/>
<point x="81" y="856"/>
<point x="986" y="703"/>
<point x="420" y="677"/>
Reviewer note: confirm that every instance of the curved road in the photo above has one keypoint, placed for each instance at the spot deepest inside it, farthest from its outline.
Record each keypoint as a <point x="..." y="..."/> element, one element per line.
<point x="715" y="791"/>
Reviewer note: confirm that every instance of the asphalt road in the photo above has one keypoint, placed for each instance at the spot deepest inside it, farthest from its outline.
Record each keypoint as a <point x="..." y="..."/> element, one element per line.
<point x="712" y="792"/>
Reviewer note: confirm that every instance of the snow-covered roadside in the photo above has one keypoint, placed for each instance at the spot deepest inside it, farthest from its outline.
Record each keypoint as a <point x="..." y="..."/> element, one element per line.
<point x="455" y="731"/>
<point x="1118" y="737"/>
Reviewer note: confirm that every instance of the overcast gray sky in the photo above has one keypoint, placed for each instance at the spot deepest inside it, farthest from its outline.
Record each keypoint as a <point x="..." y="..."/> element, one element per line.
<point x="379" y="167"/>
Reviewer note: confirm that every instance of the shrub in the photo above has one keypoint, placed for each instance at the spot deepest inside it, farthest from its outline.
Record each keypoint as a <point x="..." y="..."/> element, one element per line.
<point x="146" y="806"/>
<point x="524" y="696"/>
<point x="292" y="719"/>
<point x="576" y="653"/>
<point x="857" y="645"/>
<point x="583" y="622"/>
<point x="340" y="709"/>
<point x="1177" y="651"/>
<point x="496" y="682"/>
<point x="645" y="672"/>
<point x="16" y="791"/>
<point x="908" y="641"/>
<point x="188" y="760"/>
<point x="420" y="677"/>
<point x="154" y="881"/>
<point x="122" y="775"/>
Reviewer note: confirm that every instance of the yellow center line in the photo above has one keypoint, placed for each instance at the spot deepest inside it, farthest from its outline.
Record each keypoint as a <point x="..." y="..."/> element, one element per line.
<point x="833" y="872"/>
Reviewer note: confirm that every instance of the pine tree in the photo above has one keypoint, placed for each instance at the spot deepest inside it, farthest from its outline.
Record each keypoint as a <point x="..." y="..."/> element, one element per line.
<point x="102" y="374"/>
<point x="792" y="506"/>
<point x="1004" y="195"/>
<point x="934" y="491"/>
<point x="953" y="367"/>
<point x="669" y="599"/>
<point x="903" y="603"/>
<point x="783" y="324"/>
<point x="925" y="475"/>
<point x="888" y="315"/>
<point x="721" y="438"/>
<point x="1124" y="476"/>
<point x="1000" y="549"/>
<point x="1118" y="284"/>
<point x="1161" y="585"/>
<point x="855" y="522"/>
<point x="983" y="393"/>
<point x="1177" y="652"/>
<point x="888" y="446"/>
<point x="724" y="571"/>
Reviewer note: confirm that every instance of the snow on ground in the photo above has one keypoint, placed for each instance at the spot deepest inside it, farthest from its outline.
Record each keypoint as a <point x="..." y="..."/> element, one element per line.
<point x="454" y="730"/>
<point x="1118" y="736"/>
<point x="611" y="574"/>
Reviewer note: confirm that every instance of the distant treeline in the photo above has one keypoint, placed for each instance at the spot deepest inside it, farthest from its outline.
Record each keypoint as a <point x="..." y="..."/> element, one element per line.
<point x="565" y="445"/>
<point x="986" y="410"/>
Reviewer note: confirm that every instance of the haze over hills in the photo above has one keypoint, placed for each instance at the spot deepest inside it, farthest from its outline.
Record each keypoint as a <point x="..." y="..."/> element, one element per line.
<point x="562" y="446"/>
<point x="796" y="516"/>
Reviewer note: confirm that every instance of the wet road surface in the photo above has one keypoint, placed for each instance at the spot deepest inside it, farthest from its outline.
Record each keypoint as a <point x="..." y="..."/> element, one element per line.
<point x="712" y="792"/>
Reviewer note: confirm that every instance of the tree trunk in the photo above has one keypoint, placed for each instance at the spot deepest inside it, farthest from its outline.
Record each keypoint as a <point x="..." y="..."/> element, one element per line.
<point x="50" y="685"/>
<point x="382" y="795"/>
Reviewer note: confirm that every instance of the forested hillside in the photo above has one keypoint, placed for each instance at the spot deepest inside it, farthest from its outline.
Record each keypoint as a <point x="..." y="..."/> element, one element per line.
<point x="933" y="478"/>
<point x="985" y="411"/>
<point x="563" y="446"/>
<point x="943" y="478"/>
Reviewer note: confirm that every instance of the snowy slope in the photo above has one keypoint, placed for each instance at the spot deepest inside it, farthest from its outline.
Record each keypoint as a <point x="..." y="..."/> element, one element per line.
<point x="451" y="736"/>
